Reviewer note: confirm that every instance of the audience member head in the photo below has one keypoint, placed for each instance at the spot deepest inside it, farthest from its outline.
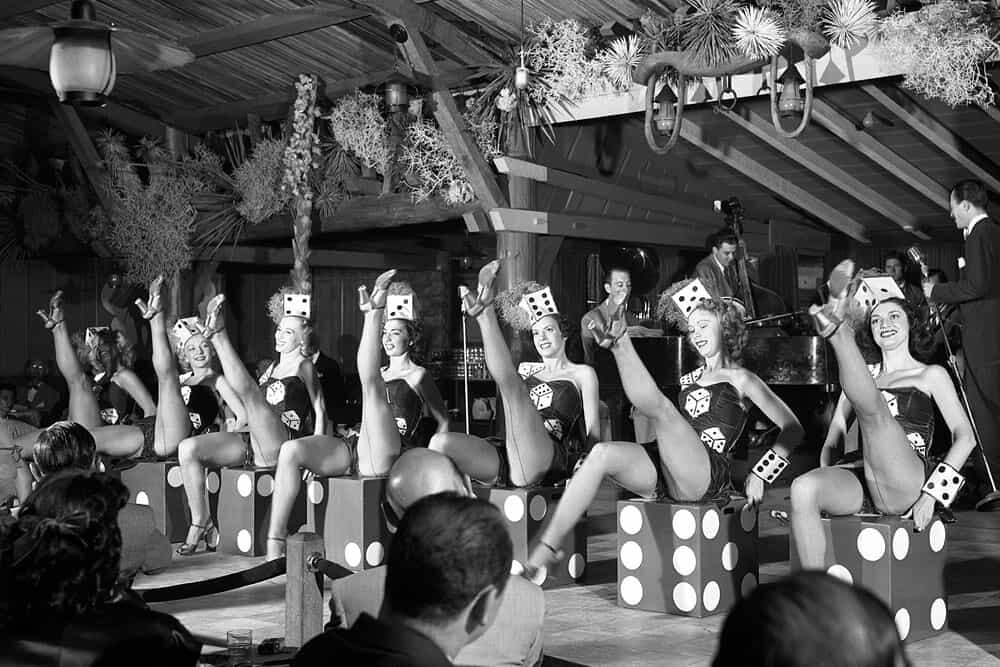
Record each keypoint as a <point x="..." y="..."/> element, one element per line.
<point x="723" y="244"/>
<point x="60" y="558"/>
<point x="809" y="618"/>
<point x="419" y="473"/>
<point x="35" y="370"/>
<point x="937" y="276"/>
<point x="617" y="284"/>
<point x="102" y="351"/>
<point x="895" y="265"/>
<point x="969" y="200"/>
<point x="447" y="568"/>
<point x="64" y="446"/>
<point x="8" y="393"/>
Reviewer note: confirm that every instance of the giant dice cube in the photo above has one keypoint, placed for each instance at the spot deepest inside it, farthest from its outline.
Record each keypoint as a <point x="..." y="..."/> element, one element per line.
<point x="159" y="485"/>
<point x="244" y="510"/>
<point x="689" y="559"/>
<point x="525" y="512"/>
<point x="904" y="568"/>
<point x="347" y="513"/>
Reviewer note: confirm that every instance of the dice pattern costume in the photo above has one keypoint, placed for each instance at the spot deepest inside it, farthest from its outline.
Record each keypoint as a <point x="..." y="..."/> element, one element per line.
<point x="115" y="404"/>
<point x="202" y="405"/>
<point x="407" y="408"/>
<point x="289" y="399"/>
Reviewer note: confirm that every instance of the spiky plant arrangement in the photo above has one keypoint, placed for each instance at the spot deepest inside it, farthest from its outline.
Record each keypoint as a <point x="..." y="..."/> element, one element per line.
<point x="758" y="32"/>
<point x="150" y="223"/>
<point x="620" y="59"/>
<point x="337" y="172"/>
<point x="357" y="123"/>
<point x="847" y="23"/>
<point x="662" y="32"/>
<point x="942" y="50"/>
<point x="563" y="49"/>
<point x="806" y="15"/>
<point x="258" y="181"/>
<point x="436" y="169"/>
<point x="708" y="31"/>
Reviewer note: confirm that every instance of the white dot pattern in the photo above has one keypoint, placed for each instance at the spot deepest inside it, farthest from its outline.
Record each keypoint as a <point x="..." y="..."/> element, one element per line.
<point x="576" y="565"/>
<point x="265" y="485"/>
<point x="903" y="623"/>
<point x="537" y="508"/>
<point x="352" y="554"/>
<point x="315" y="492"/>
<point x="513" y="509"/>
<point x="174" y="478"/>
<point x="212" y="482"/>
<point x="141" y="498"/>
<point x="841" y="572"/>
<point x="516" y="569"/>
<point x="710" y="524"/>
<point x="748" y="518"/>
<point x="244" y="541"/>
<point x="631" y="555"/>
<point x="631" y="590"/>
<point x="871" y="545"/>
<point x="685" y="596"/>
<point x="730" y="556"/>
<point x="374" y="554"/>
<point x="244" y="485"/>
<point x="684" y="524"/>
<point x="900" y="543"/>
<point x="630" y="519"/>
<point x="684" y="560"/>
<point x="939" y="613"/>
<point x="936" y="536"/>
<point x="711" y="596"/>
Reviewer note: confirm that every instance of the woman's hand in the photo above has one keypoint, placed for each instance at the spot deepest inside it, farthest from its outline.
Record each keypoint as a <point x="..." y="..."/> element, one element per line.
<point x="922" y="511"/>
<point x="754" y="489"/>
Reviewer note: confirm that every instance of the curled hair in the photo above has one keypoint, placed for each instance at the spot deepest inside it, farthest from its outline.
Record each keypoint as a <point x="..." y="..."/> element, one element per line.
<point x="111" y="343"/>
<point x="734" y="330"/>
<point x="276" y="304"/>
<point x="178" y="347"/>
<point x="418" y="343"/>
<point x="508" y="305"/>
<point x="920" y="340"/>
<point x="809" y="618"/>
<point x="64" y="446"/>
<point x="60" y="558"/>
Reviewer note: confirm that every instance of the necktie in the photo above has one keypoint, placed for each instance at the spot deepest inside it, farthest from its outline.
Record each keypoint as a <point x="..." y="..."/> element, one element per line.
<point x="732" y="279"/>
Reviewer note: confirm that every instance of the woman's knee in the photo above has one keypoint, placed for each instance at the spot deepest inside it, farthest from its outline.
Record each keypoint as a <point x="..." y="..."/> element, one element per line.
<point x="600" y="457"/>
<point x="805" y="491"/>
<point x="440" y="442"/>
<point x="187" y="451"/>
<point x="290" y="453"/>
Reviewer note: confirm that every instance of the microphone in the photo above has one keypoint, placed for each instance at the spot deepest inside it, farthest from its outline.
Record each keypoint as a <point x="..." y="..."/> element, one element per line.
<point x="918" y="256"/>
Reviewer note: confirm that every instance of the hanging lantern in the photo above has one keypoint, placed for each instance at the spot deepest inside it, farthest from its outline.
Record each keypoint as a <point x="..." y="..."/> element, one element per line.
<point x="521" y="74"/>
<point x="791" y="103"/>
<point x="666" y="113"/>
<point x="396" y="93"/>
<point x="82" y="65"/>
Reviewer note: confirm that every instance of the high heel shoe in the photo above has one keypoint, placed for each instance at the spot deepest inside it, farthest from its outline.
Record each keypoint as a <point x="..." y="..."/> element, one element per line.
<point x="486" y="292"/>
<point x="828" y="317"/>
<point x="208" y="534"/>
<point x="275" y="540"/>
<point x="215" y="321"/>
<point x="380" y="290"/>
<point x="607" y="336"/>
<point x="537" y="574"/>
<point x="55" y="316"/>
<point x="150" y="309"/>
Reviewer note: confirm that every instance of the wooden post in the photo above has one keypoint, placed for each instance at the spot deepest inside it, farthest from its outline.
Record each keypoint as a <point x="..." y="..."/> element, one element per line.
<point x="303" y="594"/>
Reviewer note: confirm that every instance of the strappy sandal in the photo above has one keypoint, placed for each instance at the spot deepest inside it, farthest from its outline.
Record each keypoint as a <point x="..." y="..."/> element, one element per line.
<point x="55" y="316"/>
<point x="214" y="319"/>
<point x="380" y="290"/>
<point x="150" y="309"/>
<point x="207" y="534"/>
<point x="537" y="574"/>
<point x="486" y="293"/>
<point x="608" y="336"/>
<point x="828" y="317"/>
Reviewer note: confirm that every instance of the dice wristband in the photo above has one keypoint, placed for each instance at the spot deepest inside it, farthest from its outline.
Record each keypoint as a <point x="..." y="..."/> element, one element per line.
<point x="770" y="466"/>
<point x="943" y="484"/>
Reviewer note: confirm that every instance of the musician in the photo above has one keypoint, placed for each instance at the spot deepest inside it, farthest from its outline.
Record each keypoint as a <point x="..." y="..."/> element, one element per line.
<point x="895" y="266"/>
<point x="618" y="287"/>
<point x="977" y="294"/>
<point x="717" y="271"/>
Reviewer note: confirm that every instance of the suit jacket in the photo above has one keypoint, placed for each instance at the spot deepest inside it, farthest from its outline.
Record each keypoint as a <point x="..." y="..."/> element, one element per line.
<point x="977" y="293"/>
<point x="515" y="638"/>
<point x="712" y="276"/>
<point x="144" y="548"/>
<point x="331" y="381"/>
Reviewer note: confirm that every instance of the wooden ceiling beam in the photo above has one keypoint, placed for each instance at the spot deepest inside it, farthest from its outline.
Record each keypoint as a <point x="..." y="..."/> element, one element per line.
<point x="937" y="133"/>
<point x="318" y="258"/>
<point x="417" y="22"/>
<point x="673" y="209"/>
<point x="744" y="164"/>
<point x="843" y="128"/>
<point x="823" y="168"/>
<point x="275" y="106"/>
<point x="14" y="7"/>
<point x="446" y="35"/>
<point x="599" y="228"/>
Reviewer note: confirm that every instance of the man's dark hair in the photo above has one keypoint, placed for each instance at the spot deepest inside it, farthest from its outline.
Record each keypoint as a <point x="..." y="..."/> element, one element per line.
<point x="972" y="191"/>
<point x="724" y="235"/>
<point x="611" y="269"/>
<point x="64" y="446"/>
<point x="447" y="550"/>
<point x="893" y="254"/>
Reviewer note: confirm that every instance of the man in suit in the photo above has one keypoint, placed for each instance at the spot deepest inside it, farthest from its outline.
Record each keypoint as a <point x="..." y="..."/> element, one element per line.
<point x="445" y="580"/>
<point x="515" y="637"/>
<point x="717" y="271"/>
<point x="331" y="382"/>
<point x="977" y="294"/>
<point x="69" y="446"/>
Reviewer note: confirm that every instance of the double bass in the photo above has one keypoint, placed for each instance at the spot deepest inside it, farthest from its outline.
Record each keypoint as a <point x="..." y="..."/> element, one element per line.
<point x="763" y="306"/>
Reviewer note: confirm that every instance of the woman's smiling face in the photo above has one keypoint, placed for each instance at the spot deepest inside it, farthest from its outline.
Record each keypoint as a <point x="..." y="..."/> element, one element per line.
<point x="198" y="352"/>
<point x="548" y="337"/>
<point x="705" y="332"/>
<point x="288" y="334"/>
<point x="890" y="325"/>
<point x="395" y="338"/>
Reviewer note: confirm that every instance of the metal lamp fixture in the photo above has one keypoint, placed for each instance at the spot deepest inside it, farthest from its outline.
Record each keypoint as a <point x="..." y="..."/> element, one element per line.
<point x="82" y="65"/>
<point x="666" y="112"/>
<point x="787" y="101"/>
<point x="669" y="114"/>
<point x="791" y="103"/>
<point x="397" y="94"/>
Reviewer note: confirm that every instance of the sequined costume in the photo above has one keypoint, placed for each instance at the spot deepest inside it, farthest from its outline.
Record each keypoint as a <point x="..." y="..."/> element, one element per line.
<point x="718" y="415"/>
<point x="407" y="408"/>
<point x="560" y="405"/>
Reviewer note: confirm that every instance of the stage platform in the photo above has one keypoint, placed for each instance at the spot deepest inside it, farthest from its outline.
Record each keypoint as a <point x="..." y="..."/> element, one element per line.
<point x="584" y="625"/>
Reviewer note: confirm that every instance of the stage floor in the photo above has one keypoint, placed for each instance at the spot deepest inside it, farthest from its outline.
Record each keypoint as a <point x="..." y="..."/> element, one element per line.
<point x="584" y="625"/>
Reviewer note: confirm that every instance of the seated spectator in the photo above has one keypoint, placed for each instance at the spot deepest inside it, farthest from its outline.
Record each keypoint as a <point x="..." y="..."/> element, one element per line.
<point x="810" y="618"/>
<point x="59" y="562"/>
<point x="40" y="398"/>
<point x="448" y="567"/>
<point x="69" y="446"/>
<point x="516" y="636"/>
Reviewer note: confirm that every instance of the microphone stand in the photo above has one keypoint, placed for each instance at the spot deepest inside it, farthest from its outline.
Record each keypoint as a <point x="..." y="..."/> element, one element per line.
<point x="991" y="501"/>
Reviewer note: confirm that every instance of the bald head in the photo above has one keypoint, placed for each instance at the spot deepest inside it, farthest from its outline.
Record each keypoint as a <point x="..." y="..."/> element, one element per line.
<point x="421" y="472"/>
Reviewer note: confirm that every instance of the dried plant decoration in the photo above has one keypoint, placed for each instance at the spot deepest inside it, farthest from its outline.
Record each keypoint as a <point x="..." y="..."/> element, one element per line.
<point x="758" y="32"/>
<point x="358" y="125"/>
<point x="301" y="157"/>
<point x="708" y="31"/>
<point x="436" y="170"/>
<point x="798" y="14"/>
<point x="942" y="50"/>
<point x="662" y="31"/>
<point x="508" y="305"/>
<point x="258" y="180"/>
<point x="620" y="59"/>
<point x="561" y="49"/>
<point x="848" y="23"/>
